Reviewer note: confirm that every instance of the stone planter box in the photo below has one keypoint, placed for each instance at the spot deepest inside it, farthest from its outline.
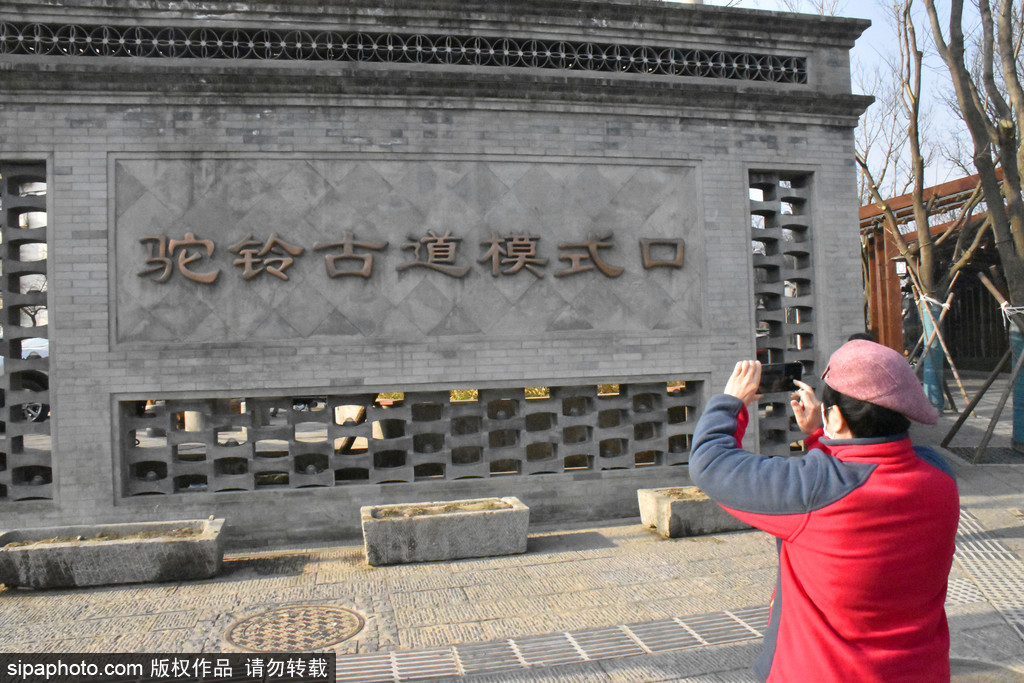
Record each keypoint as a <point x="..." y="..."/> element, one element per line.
<point x="683" y="511"/>
<point x="444" y="530"/>
<point x="100" y="554"/>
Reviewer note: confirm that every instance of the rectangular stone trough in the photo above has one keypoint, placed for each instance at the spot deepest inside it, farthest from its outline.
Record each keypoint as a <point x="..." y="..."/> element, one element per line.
<point x="683" y="511"/>
<point x="101" y="554"/>
<point x="444" y="530"/>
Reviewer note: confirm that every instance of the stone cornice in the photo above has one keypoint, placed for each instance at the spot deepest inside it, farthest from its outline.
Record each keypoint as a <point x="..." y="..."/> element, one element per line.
<point x="582" y="19"/>
<point x="198" y="82"/>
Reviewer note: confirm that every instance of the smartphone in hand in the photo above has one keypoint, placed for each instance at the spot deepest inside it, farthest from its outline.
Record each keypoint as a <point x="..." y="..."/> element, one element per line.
<point x="776" y="377"/>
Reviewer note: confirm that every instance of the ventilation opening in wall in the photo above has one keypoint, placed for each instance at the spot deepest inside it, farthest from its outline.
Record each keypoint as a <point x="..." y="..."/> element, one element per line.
<point x="448" y="50"/>
<point x="25" y="415"/>
<point x="780" y="234"/>
<point x="206" y="446"/>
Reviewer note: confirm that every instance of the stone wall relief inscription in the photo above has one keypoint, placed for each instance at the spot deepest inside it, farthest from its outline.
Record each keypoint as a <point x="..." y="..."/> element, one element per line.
<point x="507" y="256"/>
<point x="231" y="249"/>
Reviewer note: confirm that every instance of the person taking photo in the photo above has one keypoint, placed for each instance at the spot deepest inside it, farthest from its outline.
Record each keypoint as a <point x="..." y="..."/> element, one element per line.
<point x="865" y="521"/>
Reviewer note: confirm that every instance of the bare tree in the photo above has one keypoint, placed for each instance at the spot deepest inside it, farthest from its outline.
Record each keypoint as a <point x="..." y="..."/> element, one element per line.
<point x="991" y="118"/>
<point x="893" y="153"/>
<point x="991" y="100"/>
<point x="881" y="140"/>
<point x="36" y="314"/>
<point x="828" y="8"/>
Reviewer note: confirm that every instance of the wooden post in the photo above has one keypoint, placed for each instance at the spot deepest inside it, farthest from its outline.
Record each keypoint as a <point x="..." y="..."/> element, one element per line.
<point x="977" y="397"/>
<point x="980" y="453"/>
<point x="931" y="337"/>
<point x="1016" y="320"/>
<point x="938" y="334"/>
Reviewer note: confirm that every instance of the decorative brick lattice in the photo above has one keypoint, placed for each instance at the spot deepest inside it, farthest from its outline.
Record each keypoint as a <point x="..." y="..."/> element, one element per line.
<point x="781" y="239"/>
<point x="213" y="445"/>
<point x="73" y="40"/>
<point x="26" y="471"/>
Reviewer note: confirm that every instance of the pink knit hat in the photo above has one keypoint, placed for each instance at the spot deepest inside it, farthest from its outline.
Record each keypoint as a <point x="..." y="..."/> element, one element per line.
<point x="874" y="373"/>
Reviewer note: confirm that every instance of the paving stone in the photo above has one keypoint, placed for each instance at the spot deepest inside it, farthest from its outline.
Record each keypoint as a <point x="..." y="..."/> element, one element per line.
<point x="425" y="599"/>
<point x="175" y="620"/>
<point x="435" y="605"/>
<point x="443" y="635"/>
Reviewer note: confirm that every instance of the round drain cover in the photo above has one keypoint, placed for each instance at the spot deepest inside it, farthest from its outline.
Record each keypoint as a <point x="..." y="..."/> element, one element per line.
<point x="295" y="628"/>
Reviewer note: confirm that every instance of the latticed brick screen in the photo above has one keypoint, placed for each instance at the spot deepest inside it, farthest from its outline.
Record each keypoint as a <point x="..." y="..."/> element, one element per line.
<point x="273" y="43"/>
<point x="780" y="210"/>
<point x="26" y="470"/>
<point x="215" y="445"/>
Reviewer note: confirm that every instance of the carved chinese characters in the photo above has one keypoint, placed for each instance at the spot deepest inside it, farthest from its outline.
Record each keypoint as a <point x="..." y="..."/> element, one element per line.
<point x="507" y="255"/>
<point x="348" y="246"/>
<point x="253" y="256"/>
<point x="580" y="253"/>
<point x="435" y="252"/>
<point x="373" y="249"/>
<point x="160" y="253"/>
<point x="516" y="252"/>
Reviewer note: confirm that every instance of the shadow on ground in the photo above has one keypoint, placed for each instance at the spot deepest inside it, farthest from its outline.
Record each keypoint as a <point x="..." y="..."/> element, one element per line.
<point x="566" y="542"/>
<point x="977" y="671"/>
<point x="273" y="565"/>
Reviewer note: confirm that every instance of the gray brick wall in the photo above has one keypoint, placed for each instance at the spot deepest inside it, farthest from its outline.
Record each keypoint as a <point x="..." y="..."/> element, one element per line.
<point x="82" y="117"/>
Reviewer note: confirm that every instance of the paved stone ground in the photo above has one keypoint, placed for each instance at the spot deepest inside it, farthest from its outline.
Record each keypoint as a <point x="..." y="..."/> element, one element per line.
<point x="568" y="580"/>
<point x="586" y="582"/>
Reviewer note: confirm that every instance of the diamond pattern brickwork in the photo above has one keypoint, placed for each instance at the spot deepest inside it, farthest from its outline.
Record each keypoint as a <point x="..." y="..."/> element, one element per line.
<point x="26" y="467"/>
<point x="214" y="445"/>
<point x="375" y="202"/>
<point x="783" y="277"/>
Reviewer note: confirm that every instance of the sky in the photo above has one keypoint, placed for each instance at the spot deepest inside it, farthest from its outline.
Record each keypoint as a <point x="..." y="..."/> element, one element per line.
<point x="872" y="47"/>
<point x="871" y="41"/>
<point x="872" y="44"/>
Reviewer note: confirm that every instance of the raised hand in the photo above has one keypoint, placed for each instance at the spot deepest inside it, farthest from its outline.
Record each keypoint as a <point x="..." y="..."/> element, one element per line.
<point x="806" y="407"/>
<point x="743" y="383"/>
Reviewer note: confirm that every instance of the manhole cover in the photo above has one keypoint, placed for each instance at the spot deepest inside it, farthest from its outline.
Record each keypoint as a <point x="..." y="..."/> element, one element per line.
<point x="295" y="628"/>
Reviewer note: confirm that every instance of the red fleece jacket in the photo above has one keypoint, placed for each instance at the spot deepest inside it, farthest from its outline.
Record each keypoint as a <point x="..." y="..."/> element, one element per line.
<point x="866" y="531"/>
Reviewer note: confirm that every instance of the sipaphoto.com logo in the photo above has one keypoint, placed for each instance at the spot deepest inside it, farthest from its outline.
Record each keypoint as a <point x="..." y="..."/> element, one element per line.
<point x="168" y="668"/>
<point x="73" y="669"/>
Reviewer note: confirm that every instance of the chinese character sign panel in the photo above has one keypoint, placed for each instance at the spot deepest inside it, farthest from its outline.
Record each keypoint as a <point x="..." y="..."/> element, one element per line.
<point x="395" y="249"/>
